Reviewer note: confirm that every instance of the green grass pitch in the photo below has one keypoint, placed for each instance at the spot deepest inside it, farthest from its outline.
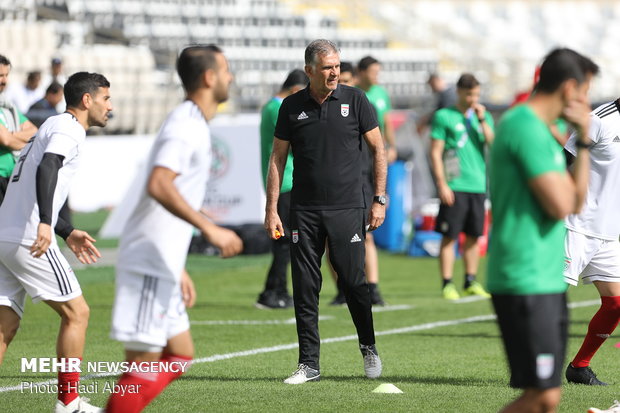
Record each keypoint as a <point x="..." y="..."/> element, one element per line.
<point x="456" y="366"/>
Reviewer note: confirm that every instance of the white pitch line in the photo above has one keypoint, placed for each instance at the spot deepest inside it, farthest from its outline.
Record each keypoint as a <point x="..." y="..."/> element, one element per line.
<point x="584" y="303"/>
<point x="290" y="346"/>
<point x="289" y="320"/>
<point x="470" y="299"/>
<point x="252" y="322"/>
<point x="392" y="308"/>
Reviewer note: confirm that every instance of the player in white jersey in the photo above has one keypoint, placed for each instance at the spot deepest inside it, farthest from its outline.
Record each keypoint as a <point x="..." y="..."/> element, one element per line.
<point x="592" y="249"/>
<point x="152" y="288"/>
<point x="30" y="261"/>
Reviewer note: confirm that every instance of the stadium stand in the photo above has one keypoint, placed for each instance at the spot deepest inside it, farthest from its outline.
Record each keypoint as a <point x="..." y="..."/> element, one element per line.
<point x="263" y="39"/>
<point x="135" y="42"/>
<point x="502" y="41"/>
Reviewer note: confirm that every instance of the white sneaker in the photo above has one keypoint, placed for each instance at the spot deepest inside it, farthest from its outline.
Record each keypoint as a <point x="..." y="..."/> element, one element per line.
<point x="78" y="405"/>
<point x="303" y="374"/>
<point x="613" y="409"/>
<point x="372" y="362"/>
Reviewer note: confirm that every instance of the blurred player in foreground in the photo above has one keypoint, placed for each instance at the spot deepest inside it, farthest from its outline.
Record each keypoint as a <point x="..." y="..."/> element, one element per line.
<point x="152" y="287"/>
<point x="30" y="261"/>
<point x="531" y="193"/>
<point x="592" y="250"/>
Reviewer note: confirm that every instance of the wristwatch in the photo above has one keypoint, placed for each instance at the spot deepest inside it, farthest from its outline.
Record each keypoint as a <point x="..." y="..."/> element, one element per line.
<point x="380" y="199"/>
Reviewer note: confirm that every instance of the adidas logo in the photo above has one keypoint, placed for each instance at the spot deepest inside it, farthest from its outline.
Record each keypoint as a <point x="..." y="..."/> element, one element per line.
<point x="616" y="139"/>
<point x="604" y="336"/>
<point x="302" y="116"/>
<point x="356" y="238"/>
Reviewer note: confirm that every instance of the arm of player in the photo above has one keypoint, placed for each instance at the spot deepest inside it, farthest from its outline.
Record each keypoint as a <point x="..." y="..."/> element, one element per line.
<point x="375" y="145"/>
<point x="277" y="162"/>
<point x="82" y="245"/>
<point x="188" y="290"/>
<point x="46" y="179"/>
<point x="558" y="193"/>
<point x="446" y="195"/>
<point x="561" y="194"/>
<point x="487" y="130"/>
<point x="17" y="140"/>
<point x="390" y="140"/>
<point x="161" y="187"/>
<point x="423" y="122"/>
<point x="79" y="242"/>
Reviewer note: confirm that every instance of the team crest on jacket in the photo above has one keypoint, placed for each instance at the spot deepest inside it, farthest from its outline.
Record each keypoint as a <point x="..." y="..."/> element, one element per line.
<point x="344" y="110"/>
<point x="295" y="236"/>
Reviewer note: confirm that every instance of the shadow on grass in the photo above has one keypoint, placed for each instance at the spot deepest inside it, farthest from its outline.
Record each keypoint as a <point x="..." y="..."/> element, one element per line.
<point x="452" y="381"/>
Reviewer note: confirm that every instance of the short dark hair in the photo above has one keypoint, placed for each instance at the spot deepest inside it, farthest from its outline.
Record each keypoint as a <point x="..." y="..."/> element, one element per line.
<point x="563" y="64"/>
<point x="432" y="76"/>
<point x="296" y="77"/>
<point x="34" y="75"/>
<point x="319" y="47"/>
<point x="467" y="81"/>
<point x="4" y="61"/>
<point x="365" y="62"/>
<point x="53" y="88"/>
<point x="81" y="83"/>
<point x="346" y="67"/>
<point x="193" y="62"/>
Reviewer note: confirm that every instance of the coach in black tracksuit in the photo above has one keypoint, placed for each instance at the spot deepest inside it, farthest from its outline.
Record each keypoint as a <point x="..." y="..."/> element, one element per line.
<point x="324" y="125"/>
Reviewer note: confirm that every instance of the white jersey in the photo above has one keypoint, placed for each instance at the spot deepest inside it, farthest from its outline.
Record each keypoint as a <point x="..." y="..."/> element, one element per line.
<point x="600" y="216"/>
<point x="19" y="214"/>
<point x="154" y="242"/>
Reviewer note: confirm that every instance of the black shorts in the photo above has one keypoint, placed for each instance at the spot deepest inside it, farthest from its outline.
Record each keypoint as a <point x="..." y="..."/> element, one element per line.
<point x="465" y="215"/>
<point x="4" y="183"/>
<point x="534" y="330"/>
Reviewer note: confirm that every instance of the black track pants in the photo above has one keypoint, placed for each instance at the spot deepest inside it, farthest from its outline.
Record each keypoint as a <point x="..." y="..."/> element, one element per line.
<point x="344" y="230"/>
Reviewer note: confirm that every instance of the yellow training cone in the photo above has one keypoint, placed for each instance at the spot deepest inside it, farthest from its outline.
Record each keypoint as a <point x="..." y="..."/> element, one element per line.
<point x="387" y="388"/>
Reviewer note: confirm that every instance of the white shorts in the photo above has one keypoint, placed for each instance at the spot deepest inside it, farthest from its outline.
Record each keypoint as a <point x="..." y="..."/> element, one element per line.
<point x="147" y="311"/>
<point x="48" y="278"/>
<point x="590" y="258"/>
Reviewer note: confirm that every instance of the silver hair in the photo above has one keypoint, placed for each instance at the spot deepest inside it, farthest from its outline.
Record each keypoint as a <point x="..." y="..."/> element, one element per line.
<point x="319" y="47"/>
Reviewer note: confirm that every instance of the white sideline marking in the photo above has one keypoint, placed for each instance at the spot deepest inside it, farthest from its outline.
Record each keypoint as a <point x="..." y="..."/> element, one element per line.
<point x="290" y="320"/>
<point x="470" y="299"/>
<point x="392" y="308"/>
<point x="252" y="322"/>
<point x="426" y="326"/>
<point x="290" y="346"/>
<point x="584" y="303"/>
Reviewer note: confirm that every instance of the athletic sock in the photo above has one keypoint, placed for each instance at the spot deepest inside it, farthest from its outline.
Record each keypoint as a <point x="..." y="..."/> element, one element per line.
<point x="469" y="279"/>
<point x="601" y="326"/>
<point x="135" y="385"/>
<point x="68" y="381"/>
<point x="445" y="282"/>
<point x="147" y="385"/>
<point x="372" y="287"/>
<point x="178" y="365"/>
